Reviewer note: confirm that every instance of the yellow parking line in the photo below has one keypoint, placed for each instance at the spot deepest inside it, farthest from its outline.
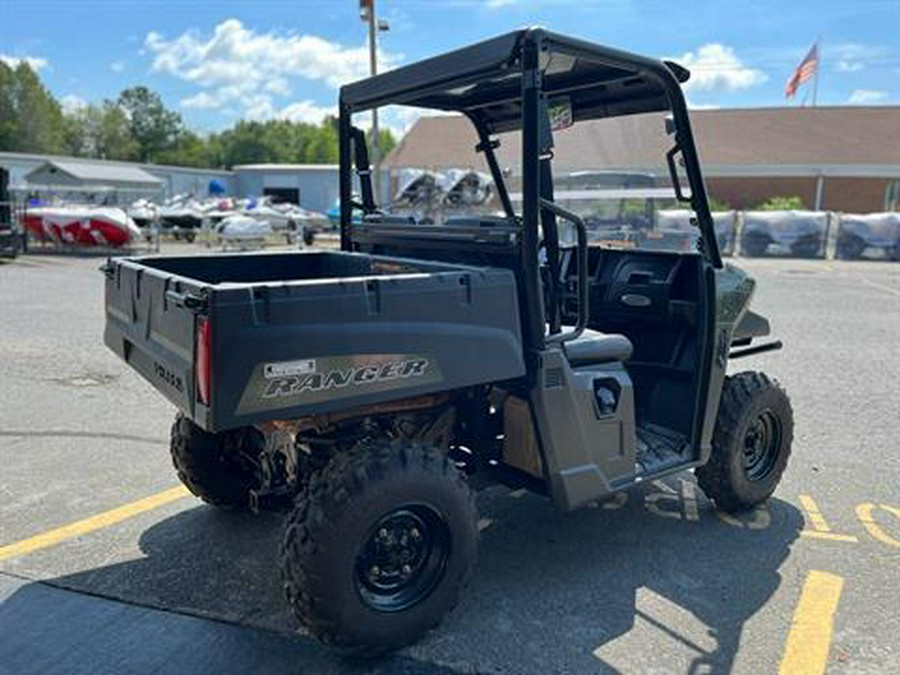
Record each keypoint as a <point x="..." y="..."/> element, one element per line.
<point x="809" y="640"/>
<point x="821" y="528"/>
<point x="97" y="522"/>
<point x="864" y="513"/>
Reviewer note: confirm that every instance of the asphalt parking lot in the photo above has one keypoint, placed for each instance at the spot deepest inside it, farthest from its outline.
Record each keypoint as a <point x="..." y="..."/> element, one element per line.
<point x="654" y="582"/>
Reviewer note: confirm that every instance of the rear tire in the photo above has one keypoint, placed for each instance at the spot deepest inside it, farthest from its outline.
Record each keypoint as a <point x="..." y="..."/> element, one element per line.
<point x="806" y="247"/>
<point x="751" y="442"/>
<point x="215" y="467"/>
<point x="754" y="244"/>
<point x="851" y="247"/>
<point x="379" y="546"/>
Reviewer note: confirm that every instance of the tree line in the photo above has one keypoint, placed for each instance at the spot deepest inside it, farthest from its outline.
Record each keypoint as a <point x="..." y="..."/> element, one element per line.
<point x="138" y="127"/>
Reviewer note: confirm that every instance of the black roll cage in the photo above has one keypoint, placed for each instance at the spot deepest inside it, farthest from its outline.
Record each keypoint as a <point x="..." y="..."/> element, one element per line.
<point x="504" y="84"/>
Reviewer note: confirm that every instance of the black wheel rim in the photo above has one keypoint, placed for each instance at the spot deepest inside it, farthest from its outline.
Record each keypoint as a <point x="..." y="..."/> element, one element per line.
<point x="403" y="558"/>
<point x="762" y="445"/>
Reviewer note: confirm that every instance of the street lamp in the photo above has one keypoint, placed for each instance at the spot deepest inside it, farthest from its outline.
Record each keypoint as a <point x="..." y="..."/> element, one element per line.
<point x="376" y="25"/>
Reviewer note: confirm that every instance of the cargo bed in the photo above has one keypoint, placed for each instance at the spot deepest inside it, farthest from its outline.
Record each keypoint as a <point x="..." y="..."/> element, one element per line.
<point x="238" y="339"/>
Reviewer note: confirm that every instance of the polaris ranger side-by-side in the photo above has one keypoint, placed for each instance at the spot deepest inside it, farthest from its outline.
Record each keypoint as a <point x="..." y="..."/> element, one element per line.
<point x="371" y="388"/>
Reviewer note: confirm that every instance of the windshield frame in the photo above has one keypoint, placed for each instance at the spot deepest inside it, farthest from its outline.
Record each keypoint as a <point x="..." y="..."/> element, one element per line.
<point x="521" y="59"/>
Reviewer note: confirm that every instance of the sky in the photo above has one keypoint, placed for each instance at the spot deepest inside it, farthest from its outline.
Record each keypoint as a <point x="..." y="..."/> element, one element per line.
<point x="218" y="62"/>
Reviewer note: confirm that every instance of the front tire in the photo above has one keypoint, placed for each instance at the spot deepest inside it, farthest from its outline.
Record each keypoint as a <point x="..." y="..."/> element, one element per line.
<point x="216" y="468"/>
<point x="751" y="443"/>
<point x="379" y="546"/>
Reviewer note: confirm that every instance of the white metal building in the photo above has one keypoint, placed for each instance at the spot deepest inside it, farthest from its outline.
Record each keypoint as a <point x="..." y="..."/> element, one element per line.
<point x="312" y="186"/>
<point x="173" y="180"/>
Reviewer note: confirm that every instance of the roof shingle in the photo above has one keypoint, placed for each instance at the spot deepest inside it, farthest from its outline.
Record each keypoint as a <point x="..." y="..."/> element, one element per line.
<point x="753" y="137"/>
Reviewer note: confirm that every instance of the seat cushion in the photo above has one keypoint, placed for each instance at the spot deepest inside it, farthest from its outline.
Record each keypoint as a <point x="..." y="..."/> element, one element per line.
<point x="595" y="347"/>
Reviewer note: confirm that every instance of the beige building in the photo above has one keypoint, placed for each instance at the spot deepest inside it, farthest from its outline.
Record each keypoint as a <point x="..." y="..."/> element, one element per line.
<point x="843" y="158"/>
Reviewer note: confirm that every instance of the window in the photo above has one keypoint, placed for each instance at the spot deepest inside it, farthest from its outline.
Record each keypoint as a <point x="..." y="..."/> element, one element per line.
<point x="283" y="195"/>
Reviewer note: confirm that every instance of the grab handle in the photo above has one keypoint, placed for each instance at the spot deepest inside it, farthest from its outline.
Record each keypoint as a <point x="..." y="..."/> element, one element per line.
<point x="583" y="289"/>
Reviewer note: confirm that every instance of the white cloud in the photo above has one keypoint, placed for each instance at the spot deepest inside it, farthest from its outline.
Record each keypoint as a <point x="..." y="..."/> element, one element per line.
<point x="497" y="4"/>
<point x="239" y="67"/>
<point x="715" y="67"/>
<point x="867" y="96"/>
<point x="72" y="103"/>
<point x="260" y="107"/>
<point x="233" y="52"/>
<point x="201" y="101"/>
<point x="36" y="62"/>
<point x="278" y="86"/>
<point x="306" y="111"/>
<point x="845" y="66"/>
<point x="117" y="66"/>
<point x="703" y="106"/>
<point x="851" y="57"/>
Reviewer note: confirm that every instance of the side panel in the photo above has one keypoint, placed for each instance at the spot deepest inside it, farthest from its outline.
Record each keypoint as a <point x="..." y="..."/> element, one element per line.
<point x="587" y="455"/>
<point x="289" y="351"/>
<point x="733" y="290"/>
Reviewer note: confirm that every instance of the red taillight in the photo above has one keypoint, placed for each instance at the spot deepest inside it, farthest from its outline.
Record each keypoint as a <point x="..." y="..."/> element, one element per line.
<point x="202" y="362"/>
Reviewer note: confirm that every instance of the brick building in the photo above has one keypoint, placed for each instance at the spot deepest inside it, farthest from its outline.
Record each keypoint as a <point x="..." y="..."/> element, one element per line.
<point x="843" y="158"/>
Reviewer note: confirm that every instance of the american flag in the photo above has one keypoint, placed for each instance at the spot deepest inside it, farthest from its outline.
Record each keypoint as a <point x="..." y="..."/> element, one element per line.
<point x="804" y="71"/>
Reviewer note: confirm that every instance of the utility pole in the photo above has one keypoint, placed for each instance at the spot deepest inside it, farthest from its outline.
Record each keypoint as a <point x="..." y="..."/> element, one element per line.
<point x="815" y="92"/>
<point x="367" y="14"/>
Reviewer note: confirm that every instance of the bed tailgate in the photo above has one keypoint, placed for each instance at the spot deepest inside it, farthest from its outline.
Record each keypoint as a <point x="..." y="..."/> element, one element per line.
<point x="151" y="323"/>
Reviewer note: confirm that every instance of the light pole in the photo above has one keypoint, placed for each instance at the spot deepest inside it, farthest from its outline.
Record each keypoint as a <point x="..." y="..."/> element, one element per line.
<point x="367" y="14"/>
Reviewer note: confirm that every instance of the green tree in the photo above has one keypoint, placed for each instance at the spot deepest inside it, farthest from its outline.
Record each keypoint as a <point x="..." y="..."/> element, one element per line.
<point x="323" y="149"/>
<point x="9" y="123"/>
<point x="139" y="127"/>
<point x="215" y="151"/>
<point x="793" y="203"/>
<point x="100" y="131"/>
<point x="245" y="143"/>
<point x="189" y="149"/>
<point x="115" y="140"/>
<point x="153" y="126"/>
<point x="77" y="131"/>
<point x="386" y="141"/>
<point x="30" y="118"/>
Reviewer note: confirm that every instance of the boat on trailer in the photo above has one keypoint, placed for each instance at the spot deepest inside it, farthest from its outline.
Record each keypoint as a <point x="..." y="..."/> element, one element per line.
<point x="76" y="225"/>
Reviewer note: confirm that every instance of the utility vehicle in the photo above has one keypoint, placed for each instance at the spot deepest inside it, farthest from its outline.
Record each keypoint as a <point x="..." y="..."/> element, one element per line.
<point x="800" y="233"/>
<point x="374" y="387"/>
<point x="859" y="232"/>
<point x="10" y="237"/>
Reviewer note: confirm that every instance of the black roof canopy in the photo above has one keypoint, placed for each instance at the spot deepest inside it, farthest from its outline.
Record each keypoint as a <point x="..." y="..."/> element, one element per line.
<point x="484" y="80"/>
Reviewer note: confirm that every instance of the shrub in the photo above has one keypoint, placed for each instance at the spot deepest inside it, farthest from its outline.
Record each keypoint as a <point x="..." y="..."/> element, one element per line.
<point x="793" y="203"/>
<point x="718" y="205"/>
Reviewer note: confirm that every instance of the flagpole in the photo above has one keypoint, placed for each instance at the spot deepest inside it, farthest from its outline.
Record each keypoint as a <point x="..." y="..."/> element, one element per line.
<point x="818" y="68"/>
